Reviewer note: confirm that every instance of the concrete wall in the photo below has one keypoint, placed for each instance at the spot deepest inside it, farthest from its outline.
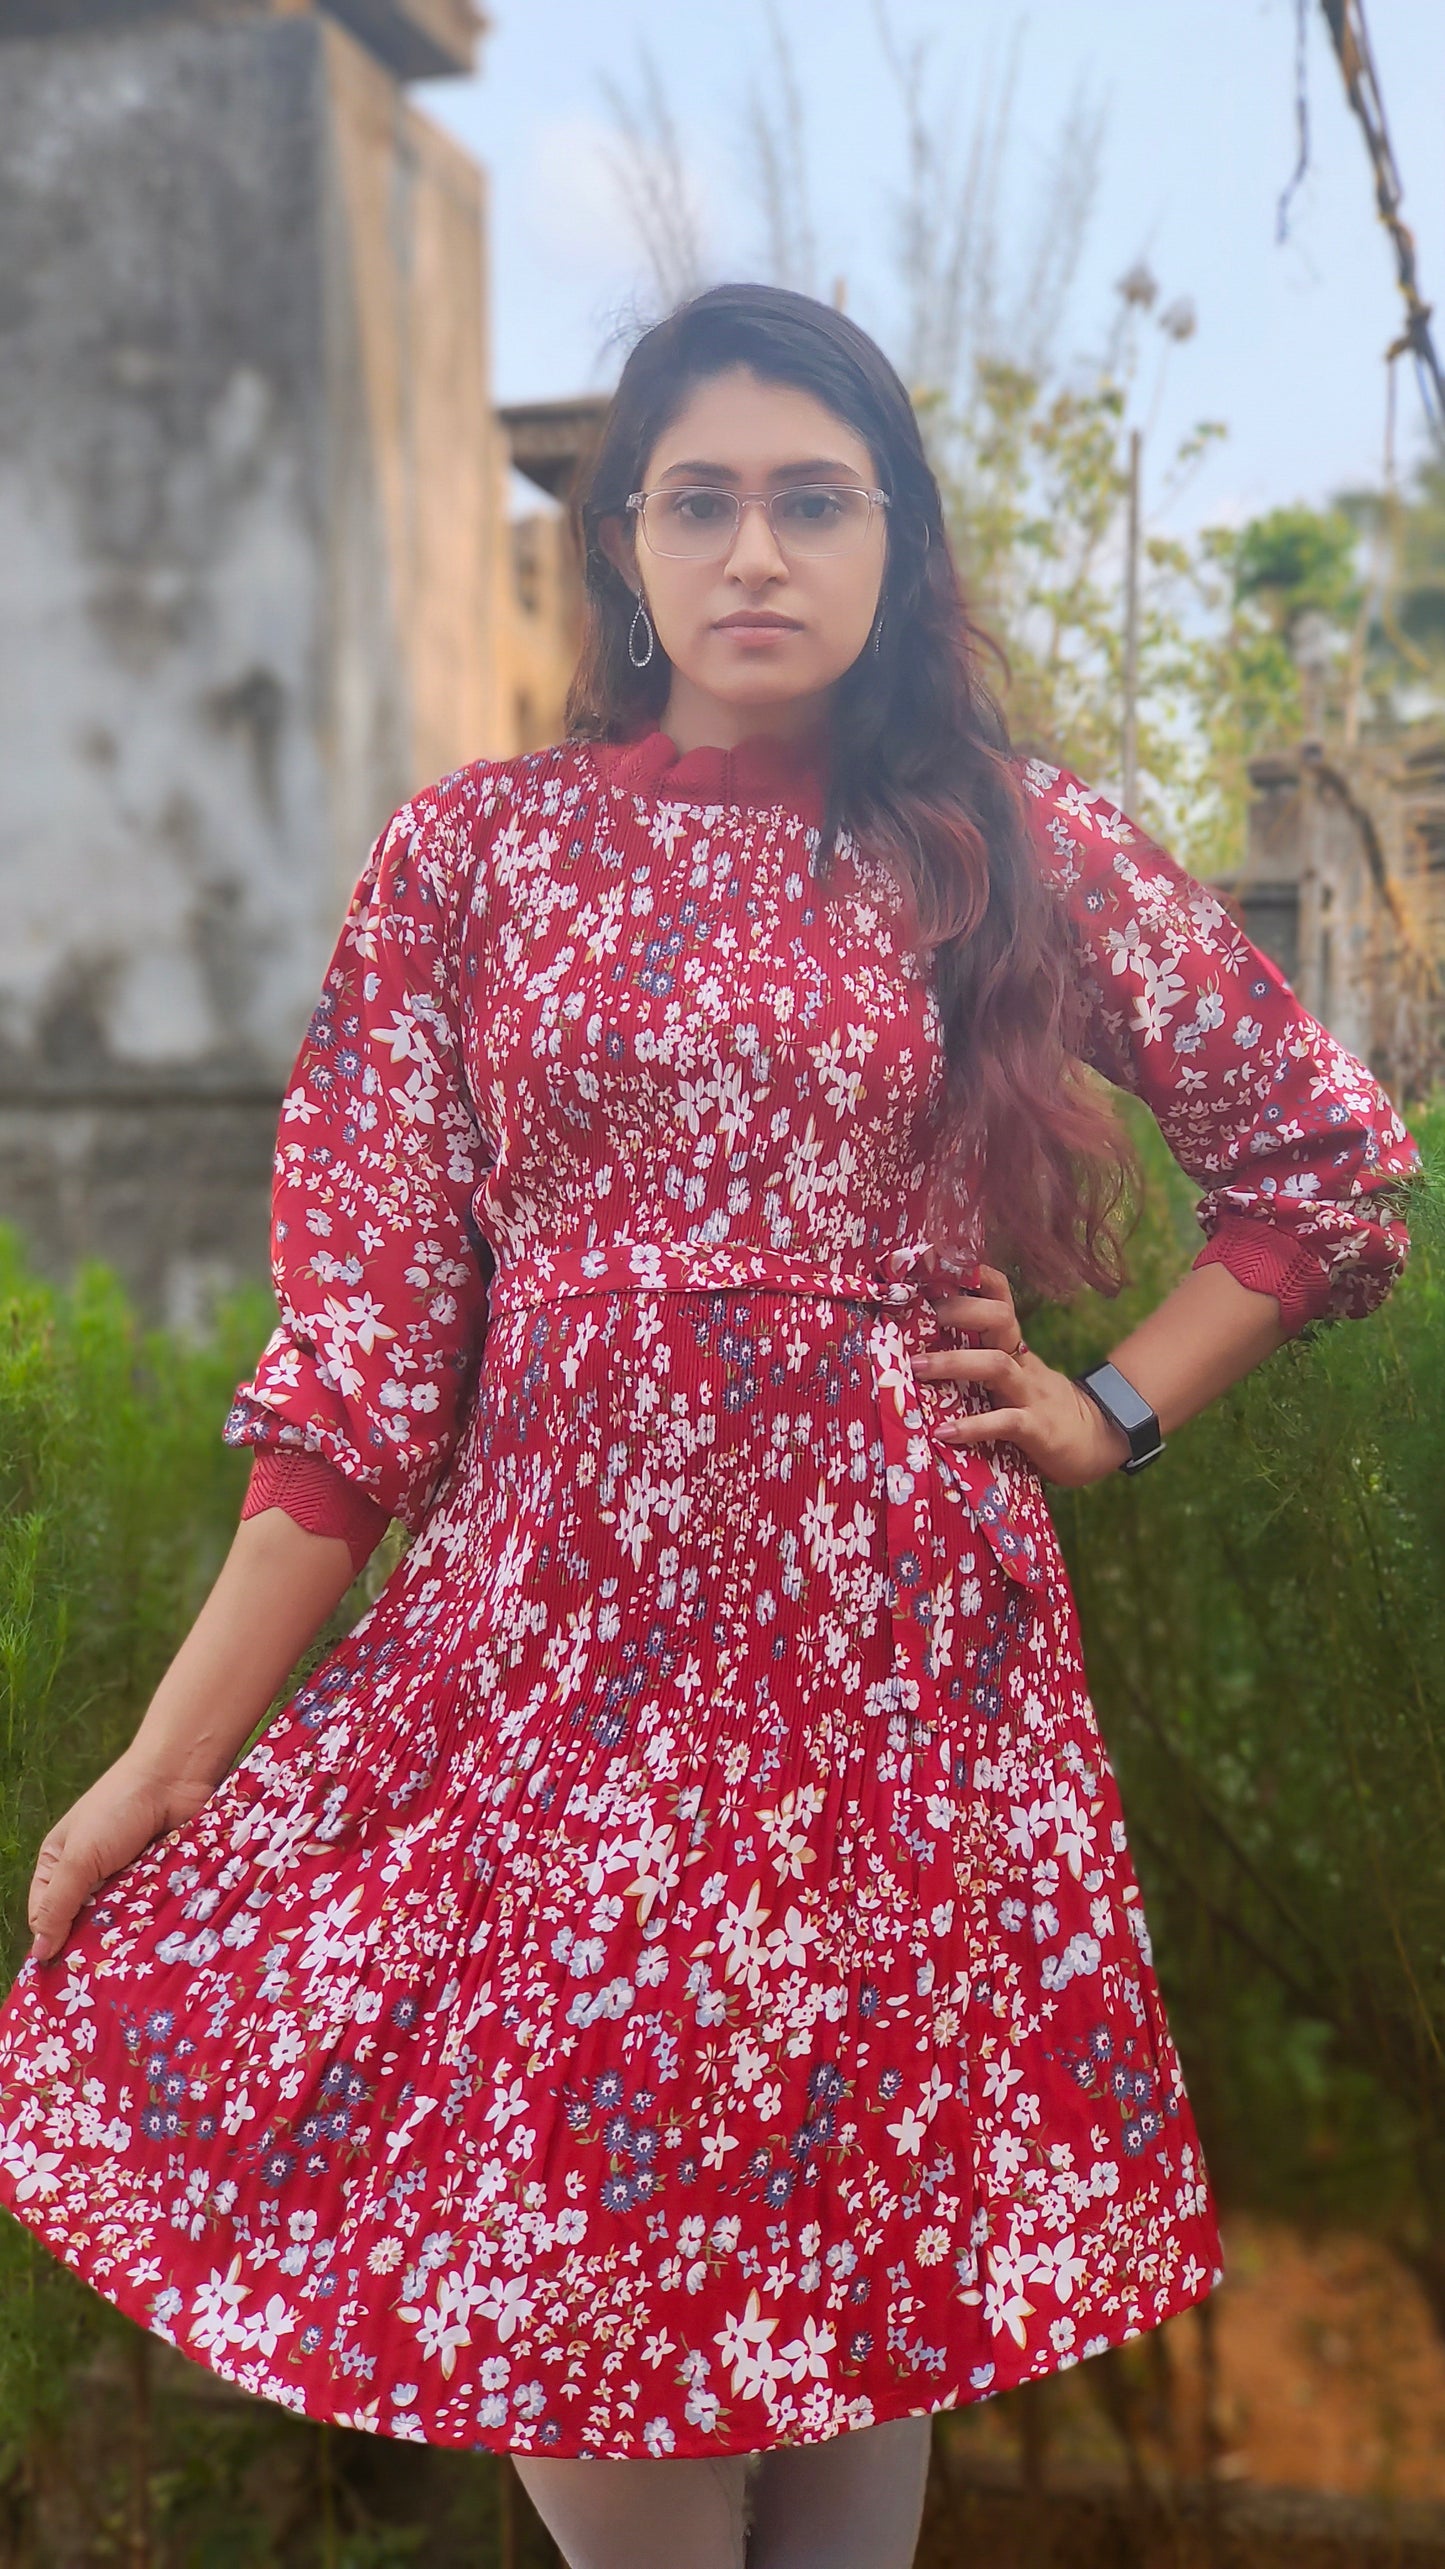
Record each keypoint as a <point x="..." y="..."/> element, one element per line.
<point x="250" y="542"/>
<point x="417" y="39"/>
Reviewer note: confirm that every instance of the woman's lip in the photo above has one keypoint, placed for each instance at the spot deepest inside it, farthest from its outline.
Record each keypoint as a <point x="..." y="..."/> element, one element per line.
<point x="758" y="624"/>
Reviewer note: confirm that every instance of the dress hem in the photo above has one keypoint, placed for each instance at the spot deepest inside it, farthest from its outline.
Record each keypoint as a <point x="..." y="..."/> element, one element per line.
<point x="129" y="2301"/>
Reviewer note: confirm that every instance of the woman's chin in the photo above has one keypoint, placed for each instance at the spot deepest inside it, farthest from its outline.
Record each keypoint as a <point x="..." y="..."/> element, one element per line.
<point x="759" y="679"/>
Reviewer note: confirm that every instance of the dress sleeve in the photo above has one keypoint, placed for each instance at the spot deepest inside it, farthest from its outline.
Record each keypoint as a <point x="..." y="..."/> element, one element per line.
<point x="380" y="1275"/>
<point x="1299" y="1151"/>
<point x="313" y="1494"/>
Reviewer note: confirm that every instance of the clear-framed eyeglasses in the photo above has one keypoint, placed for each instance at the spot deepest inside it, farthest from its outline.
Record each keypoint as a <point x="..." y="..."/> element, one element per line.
<point x="700" y="524"/>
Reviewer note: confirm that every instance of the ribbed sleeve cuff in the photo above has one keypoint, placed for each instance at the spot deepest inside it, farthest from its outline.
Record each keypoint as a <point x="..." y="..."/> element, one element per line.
<point x="1269" y="1261"/>
<point x="315" y="1495"/>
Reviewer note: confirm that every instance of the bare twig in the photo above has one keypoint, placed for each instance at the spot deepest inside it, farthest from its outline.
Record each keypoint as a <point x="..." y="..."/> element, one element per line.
<point x="655" y="184"/>
<point x="947" y="223"/>
<point x="1362" y="86"/>
<point x="1066" y="206"/>
<point x="1301" y="119"/>
<point x="777" y="130"/>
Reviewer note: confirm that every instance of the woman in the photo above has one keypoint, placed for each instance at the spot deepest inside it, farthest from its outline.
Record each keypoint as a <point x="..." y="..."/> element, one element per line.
<point x="671" y="1989"/>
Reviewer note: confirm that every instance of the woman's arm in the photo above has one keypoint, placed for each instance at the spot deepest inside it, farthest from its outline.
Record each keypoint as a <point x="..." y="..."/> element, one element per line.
<point x="276" y="1588"/>
<point x="354" y="1406"/>
<point x="1301" y="1154"/>
<point x="1205" y="1335"/>
<point x="380" y="1283"/>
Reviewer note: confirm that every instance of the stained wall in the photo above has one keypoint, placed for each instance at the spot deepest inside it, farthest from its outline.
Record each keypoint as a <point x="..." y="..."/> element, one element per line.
<point x="254" y="571"/>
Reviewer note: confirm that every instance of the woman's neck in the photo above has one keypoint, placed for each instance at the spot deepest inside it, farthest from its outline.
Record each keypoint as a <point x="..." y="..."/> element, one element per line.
<point x="693" y="720"/>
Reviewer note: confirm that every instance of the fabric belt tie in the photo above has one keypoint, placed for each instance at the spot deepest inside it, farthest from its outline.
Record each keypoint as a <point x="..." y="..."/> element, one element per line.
<point x="914" y="1461"/>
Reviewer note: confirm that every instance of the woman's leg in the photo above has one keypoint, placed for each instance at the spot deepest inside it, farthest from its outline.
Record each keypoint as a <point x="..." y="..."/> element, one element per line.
<point x="855" y="2502"/>
<point x="640" y="2515"/>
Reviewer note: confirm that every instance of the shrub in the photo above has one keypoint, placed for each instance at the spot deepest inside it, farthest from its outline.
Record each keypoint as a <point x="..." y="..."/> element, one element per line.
<point x="117" y="1503"/>
<point x="1264" y="1626"/>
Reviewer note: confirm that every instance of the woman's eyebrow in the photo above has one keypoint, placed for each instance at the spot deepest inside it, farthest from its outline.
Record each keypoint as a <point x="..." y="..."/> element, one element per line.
<point x="700" y="471"/>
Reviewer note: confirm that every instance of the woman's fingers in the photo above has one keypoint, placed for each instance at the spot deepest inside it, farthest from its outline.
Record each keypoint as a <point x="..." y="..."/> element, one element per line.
<point x="64" y="1873"/>
<point x="985" y="1310"/>
<point x="991" y="1365"/>
<point x="98" y="1836"/>
<point x="986" y="1423"/>
<point x="995" y="1282"/>
<point x="995" y="1322"/>
<point x="973" y="1310"/>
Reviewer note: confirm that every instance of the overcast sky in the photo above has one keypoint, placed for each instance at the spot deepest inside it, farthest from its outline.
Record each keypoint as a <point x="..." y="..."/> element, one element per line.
<point x="1198" y="102"/>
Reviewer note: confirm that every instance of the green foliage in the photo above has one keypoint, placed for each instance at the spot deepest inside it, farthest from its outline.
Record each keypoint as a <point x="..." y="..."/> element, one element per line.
<point x="226" y="2481"/>
<point x="1396" y="650"/>
<point x="1264" y="1625"/>
<point x="1298" y="561"/>
<point x="1035" y="488"/>
<point x="116" y="1504"/>
<point x="1420" y="537"/>
<point x="117" y="1501"/>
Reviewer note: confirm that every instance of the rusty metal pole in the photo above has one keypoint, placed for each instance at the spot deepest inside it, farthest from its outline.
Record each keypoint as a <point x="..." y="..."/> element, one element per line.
<point x="140" y="2547"/>
<point x="507" y="2487"/>
<point x="1129" y="761"/>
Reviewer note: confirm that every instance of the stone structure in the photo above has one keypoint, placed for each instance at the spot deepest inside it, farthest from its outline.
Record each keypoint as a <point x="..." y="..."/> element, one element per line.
<point x="257" y="581"/>
<point x="1343" y="884"/>
<point x="548" y="442"/>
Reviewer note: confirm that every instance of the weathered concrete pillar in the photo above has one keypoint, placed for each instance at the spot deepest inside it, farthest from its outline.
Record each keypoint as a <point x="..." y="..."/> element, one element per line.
<point x="251" y="536"/>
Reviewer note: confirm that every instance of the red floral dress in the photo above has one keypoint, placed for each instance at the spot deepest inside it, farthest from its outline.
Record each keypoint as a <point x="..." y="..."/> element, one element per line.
<point x="672" y="1982"/>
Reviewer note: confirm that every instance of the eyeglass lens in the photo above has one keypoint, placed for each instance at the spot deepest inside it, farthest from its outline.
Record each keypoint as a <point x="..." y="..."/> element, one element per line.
<point x="701" y="525"/>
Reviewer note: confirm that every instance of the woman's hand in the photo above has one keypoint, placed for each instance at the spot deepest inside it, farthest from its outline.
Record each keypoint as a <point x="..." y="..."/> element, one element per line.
<point x="123" y="1810"/>
<point x="277" y="1586"/>
<point x="1061" y="1431"/>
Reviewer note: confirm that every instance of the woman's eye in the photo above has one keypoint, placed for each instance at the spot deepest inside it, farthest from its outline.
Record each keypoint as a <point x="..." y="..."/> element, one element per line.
<point x="700" y="508"/>
<point x="813" y="506"/>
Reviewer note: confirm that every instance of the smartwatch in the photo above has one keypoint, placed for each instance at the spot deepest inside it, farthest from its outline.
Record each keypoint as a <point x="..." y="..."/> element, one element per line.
<point x="1127" y="1410"/>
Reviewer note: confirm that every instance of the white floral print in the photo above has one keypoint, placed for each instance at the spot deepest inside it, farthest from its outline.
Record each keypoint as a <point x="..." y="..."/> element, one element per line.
<point x="672" y="1980"/>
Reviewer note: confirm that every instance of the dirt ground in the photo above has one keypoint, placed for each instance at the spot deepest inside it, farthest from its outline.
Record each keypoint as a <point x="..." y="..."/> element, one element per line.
<point x="1329" y="2375"/>
<point x="1332" y="2373"/>
<point x="1315" y="2379"/>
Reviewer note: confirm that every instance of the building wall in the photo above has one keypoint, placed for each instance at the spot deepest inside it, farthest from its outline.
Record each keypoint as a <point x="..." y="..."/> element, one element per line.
<point x="418" y="539"/>
<point x="252" y="534"/>
<point x="1344" y="886"/>
<point x="539" y="622"/>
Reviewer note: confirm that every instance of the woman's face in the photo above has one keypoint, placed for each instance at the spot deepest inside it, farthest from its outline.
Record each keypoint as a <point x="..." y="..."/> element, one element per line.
<point x="757" y="638"/>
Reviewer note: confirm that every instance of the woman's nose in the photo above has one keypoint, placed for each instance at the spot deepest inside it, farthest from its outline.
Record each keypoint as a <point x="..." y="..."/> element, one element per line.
<point x="756" y="553"/>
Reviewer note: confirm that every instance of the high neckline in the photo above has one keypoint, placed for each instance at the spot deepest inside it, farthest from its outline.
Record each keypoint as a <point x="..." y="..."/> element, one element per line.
<point x="761" y="770"/>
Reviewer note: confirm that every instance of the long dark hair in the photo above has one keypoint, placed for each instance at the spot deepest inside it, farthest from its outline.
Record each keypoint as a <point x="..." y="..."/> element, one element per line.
<point x="922" y="776"/>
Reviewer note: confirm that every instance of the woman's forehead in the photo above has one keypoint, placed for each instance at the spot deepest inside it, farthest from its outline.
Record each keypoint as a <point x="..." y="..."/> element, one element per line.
<point x="745" y="429"/>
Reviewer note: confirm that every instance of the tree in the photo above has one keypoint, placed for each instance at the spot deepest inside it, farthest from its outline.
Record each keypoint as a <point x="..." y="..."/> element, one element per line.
<point x="1035" y="483"/>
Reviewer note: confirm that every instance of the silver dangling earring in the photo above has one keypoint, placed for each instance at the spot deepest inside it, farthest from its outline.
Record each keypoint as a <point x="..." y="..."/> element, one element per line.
<point x="878" y="637"/>
<point x="640" y="659"/>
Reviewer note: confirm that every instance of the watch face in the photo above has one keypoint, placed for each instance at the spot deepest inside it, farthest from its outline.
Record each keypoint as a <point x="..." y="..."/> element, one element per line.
<point x="1127" y="1406"/>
